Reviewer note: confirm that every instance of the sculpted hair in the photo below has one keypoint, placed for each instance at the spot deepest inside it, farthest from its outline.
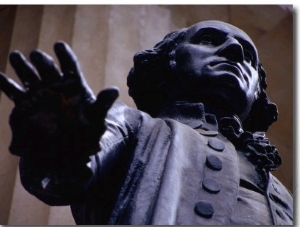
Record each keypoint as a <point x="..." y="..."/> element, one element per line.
<point x="263" y="112"/>
<point x="150" y="80"/>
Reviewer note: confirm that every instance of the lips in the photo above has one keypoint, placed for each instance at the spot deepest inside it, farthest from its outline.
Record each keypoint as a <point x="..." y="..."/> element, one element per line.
<point x="226" y="63"/>
<point x="230" y="67"/>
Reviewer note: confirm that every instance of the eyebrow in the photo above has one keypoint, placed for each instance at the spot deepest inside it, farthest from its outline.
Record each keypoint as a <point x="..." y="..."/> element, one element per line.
<point x="209" y="30"/>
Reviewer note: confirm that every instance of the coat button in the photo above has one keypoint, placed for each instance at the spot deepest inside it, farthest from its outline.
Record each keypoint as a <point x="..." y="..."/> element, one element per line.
<point x="211" y="185"/>
<point x="204" y="209"/>
<point x="207" y="133"/>
<point x="196" y="124"/>
<point x="214" y="162"/>
<point x="207" y="126"/>
<point x="216" y="144"/>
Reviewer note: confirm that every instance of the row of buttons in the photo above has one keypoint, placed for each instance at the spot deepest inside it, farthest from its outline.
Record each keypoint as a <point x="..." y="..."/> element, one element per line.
<point x="204" y="208"/>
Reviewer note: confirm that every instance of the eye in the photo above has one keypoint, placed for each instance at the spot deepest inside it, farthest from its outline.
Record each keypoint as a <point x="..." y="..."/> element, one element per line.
<point x="208" y="37"/>
<point x="207" y="40"/>
<point x="248" y="56"/>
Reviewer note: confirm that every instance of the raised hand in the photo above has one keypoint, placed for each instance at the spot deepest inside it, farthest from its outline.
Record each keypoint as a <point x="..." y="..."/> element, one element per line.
<point x="56" y="114"/>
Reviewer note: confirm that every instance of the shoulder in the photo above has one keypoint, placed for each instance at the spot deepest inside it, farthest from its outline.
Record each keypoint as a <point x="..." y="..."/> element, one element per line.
<point x="122" y="115"/>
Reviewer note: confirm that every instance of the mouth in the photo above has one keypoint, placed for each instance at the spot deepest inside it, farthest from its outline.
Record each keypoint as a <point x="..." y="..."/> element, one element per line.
<point x="226" y="65"/>
<point x="229" y="67"/>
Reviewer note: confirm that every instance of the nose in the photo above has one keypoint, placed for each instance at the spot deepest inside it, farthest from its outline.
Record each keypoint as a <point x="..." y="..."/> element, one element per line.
<point x="232" y="50"/>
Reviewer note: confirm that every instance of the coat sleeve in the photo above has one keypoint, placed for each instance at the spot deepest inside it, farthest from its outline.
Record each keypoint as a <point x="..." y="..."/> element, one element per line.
<point x="70" y="181"/>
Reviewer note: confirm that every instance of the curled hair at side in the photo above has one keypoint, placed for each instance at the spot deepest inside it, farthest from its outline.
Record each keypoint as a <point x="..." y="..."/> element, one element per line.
<point x="150" y="81"/>
<point x="263" y="112"/>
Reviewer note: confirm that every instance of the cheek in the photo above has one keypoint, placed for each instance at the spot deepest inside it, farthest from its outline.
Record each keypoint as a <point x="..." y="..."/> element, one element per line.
<point x="183" y="59"/>
<point x="253" y="86"/>
<point x="190" y="58"/>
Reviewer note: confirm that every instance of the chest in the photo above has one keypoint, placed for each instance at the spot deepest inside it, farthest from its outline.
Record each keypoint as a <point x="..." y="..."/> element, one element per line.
<point x="203" y="177"/>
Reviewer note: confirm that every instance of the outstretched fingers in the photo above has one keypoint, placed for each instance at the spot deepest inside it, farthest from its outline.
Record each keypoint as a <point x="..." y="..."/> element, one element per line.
<point x="11" y="89"/>
<point x="24" y="70"/>
<point x="45" y="66"/>
<point x="70" y="66"/>
<point x="68" y="61"/>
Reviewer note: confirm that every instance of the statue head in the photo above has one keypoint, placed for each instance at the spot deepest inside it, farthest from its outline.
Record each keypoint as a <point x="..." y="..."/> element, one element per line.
<point x="211" y="62"/>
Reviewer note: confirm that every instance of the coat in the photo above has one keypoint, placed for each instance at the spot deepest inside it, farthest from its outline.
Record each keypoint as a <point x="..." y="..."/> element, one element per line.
<point x="174" y="169"/>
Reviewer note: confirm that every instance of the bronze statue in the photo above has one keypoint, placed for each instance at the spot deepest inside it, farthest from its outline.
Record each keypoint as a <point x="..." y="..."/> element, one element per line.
<point x="194" y="153"/>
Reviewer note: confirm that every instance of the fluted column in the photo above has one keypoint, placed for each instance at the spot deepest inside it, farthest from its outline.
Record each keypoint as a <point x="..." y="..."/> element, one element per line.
<point x="24" y="37"/>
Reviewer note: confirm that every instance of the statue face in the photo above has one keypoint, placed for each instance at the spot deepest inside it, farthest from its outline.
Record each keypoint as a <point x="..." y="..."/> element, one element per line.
<point x="218" y="60"/>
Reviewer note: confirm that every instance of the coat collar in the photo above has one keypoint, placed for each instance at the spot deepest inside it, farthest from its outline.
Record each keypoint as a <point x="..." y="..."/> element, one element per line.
<point x="191" y="114"/>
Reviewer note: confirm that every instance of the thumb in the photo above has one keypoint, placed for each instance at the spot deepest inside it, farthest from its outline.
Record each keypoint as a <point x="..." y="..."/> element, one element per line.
<point x="105" y="99"/>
